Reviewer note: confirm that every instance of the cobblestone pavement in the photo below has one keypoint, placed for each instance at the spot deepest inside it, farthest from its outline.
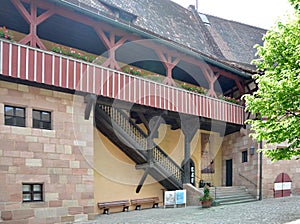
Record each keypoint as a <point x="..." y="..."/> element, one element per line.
<point x="267" y="211"/>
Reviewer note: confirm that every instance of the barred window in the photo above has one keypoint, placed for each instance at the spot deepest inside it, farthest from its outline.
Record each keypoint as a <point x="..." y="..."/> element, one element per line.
<point x="14" y="116"/>
<point x="32" y="192"/>
<point x="41" y="119"/>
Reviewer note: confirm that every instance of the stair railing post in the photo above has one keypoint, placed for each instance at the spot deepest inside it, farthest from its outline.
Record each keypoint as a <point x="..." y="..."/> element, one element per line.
<point x="215" y="192"/>
<point x="150" y="146"/>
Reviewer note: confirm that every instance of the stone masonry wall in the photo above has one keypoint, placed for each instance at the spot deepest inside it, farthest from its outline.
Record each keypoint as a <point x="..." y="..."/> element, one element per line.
<point x="272" y="169"/>
<point x="232" y="147"/>
<point x="243" y="174"/>
<point x="61" y="158"/>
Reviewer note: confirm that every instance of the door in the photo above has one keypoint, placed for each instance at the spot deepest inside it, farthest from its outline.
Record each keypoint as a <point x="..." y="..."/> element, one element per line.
<point x="229" y="172"/>
<point x="192" y="171"/>
<point x="192" y="167"/>
<point x="282" y="185"/>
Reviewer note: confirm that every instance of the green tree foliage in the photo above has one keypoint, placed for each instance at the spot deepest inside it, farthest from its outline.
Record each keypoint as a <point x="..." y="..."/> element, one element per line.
<point x="278" y="96"/>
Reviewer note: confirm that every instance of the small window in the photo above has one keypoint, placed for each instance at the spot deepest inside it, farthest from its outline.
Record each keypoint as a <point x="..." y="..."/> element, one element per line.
<point x="41" y="119"/>
<point x="32" y="192"/>
<point x="244" y="156"/>
<point x="14" y="116"/>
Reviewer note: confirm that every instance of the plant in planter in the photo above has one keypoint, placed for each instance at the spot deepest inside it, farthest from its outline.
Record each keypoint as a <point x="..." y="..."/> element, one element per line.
<point x="229" y="99"/>
<point x="72" y="53"/>
<point x="206" y="199"/>
<point x="4" y="33"/>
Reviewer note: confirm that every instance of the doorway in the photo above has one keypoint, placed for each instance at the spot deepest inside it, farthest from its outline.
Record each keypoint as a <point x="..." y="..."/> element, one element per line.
<point x="192" y="171"/>
<point x="229" y="172"/>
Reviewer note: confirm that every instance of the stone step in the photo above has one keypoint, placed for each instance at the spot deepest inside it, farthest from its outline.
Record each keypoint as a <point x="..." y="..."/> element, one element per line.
<point x="231" y="195"/>
<point x="220" y="202"/>
<point x="218" y="194"/>
<point x="235" y="198"/>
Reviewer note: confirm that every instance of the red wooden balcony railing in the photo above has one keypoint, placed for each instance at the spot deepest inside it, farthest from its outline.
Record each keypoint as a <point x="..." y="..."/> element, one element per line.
<point x="35" y="65"/>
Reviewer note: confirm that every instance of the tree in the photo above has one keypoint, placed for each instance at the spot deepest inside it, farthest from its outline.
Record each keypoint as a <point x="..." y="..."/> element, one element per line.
<point x="277" y="99"/>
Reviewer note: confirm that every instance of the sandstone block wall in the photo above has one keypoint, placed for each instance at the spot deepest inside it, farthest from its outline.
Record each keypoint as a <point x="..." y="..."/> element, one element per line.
<point x="243" y="173"/>
<point x="272" y="169"/>
<point x="61" y="159"/>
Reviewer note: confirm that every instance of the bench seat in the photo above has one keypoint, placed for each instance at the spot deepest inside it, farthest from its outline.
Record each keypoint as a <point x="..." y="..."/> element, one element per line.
<point x="140" y="201"/>
<point x="110" y="204"/>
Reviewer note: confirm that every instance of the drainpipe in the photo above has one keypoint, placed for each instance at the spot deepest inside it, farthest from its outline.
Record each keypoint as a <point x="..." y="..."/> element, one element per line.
<point x="260" y="169"/>
<point x="260" y="172"/>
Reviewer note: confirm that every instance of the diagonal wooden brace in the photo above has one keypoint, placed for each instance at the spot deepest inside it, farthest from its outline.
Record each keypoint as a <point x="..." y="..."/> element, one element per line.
<point x="142" y="180"/>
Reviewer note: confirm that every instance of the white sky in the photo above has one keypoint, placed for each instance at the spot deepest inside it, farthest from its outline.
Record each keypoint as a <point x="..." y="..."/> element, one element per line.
<point x="260" y="13"/>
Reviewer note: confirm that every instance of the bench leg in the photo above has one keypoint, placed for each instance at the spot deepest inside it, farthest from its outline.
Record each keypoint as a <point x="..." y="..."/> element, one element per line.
<point x="126" y="208"/>
<point x="106" y="211"/>
<point x="138" y="207"/>
<point x="155" y="205"/>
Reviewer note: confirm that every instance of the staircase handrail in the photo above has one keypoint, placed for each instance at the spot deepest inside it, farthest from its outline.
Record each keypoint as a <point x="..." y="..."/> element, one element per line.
<point x="141" y="140"/>
<point x="173" y="167"/>
<point x="250" y="181"/>
<point x="158" y="154"/>
<point x="132" y="123"/>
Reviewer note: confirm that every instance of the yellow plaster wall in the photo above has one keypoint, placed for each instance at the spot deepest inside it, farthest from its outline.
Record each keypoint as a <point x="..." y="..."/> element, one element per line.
<point x="172" y="142"/>
<point x="115" y="175"/>
<point x="215" y="150"/>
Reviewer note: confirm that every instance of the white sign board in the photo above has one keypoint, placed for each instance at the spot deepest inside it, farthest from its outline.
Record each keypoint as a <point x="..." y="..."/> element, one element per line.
<point x="170" y="197"/>
<point x="175" y="197"/>
<point x="180" y="197"/>
<point x="282" y="186"/>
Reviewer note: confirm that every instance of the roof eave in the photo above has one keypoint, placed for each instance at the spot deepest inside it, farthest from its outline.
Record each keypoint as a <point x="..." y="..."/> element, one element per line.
<point x="135" y="29"/>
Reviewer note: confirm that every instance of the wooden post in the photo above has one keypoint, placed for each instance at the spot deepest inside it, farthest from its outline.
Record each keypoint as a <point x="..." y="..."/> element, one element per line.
<point x="111" y="45"/>
<point x="33" y="20"/>
<point x="189" y="127"/>
<point x="169" y="62"/>
<point x="211" y="78"/>
<point x="90" y="101"/>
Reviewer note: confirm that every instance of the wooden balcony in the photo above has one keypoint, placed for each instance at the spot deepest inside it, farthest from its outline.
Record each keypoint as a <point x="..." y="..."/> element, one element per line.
<point x="35" y="65"/>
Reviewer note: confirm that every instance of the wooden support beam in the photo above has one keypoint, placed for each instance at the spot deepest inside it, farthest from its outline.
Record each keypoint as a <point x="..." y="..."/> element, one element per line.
<point x="144" y="120"/>
<point x="138" y="189"/>
<point x="189" y="127"/>
<point x="111" y="45"/>
<point x="90" y="101"/>
<point x="169" y="62"/>
<point x="33" y="20"/>
<point x="154" y="127"/>
<point x="240" y="83"/>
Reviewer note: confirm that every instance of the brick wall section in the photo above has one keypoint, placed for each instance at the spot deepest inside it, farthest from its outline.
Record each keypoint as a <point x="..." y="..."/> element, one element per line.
<point x="61" y="158"/>
<point x="232" y="147"/>
<point x="272" y="169"/>
<point x="244" y="174"/>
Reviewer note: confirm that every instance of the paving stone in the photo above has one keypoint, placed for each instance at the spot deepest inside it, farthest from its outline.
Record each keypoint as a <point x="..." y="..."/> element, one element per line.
<point x="267" y="211"/>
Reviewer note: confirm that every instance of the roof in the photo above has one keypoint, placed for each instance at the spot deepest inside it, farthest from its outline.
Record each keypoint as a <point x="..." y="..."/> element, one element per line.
<point x="224" y="40"/>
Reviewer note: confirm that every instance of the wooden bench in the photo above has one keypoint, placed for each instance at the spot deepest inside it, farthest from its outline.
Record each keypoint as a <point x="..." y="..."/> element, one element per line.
<point x="140" y="201"/>
<point x="109" y="204"/>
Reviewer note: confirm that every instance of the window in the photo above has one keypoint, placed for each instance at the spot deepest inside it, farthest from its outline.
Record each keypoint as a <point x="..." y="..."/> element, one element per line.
<point x="32" y="192"/>
<point x="244" y="156"/>
<point x="41" y="119"/>
<point x="14" y="116"/>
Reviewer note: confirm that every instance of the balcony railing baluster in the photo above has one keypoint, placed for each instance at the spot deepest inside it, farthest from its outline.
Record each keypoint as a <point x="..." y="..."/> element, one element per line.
<point x="39" y="65"/>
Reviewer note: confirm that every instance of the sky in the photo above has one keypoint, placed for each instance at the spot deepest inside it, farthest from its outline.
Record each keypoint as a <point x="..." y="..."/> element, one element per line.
<point x="260" y="13"/>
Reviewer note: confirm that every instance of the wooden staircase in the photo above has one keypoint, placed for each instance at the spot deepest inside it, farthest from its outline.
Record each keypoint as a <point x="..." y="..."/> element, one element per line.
<point x="231" y="195"/>
<point x="123" y="132"/>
